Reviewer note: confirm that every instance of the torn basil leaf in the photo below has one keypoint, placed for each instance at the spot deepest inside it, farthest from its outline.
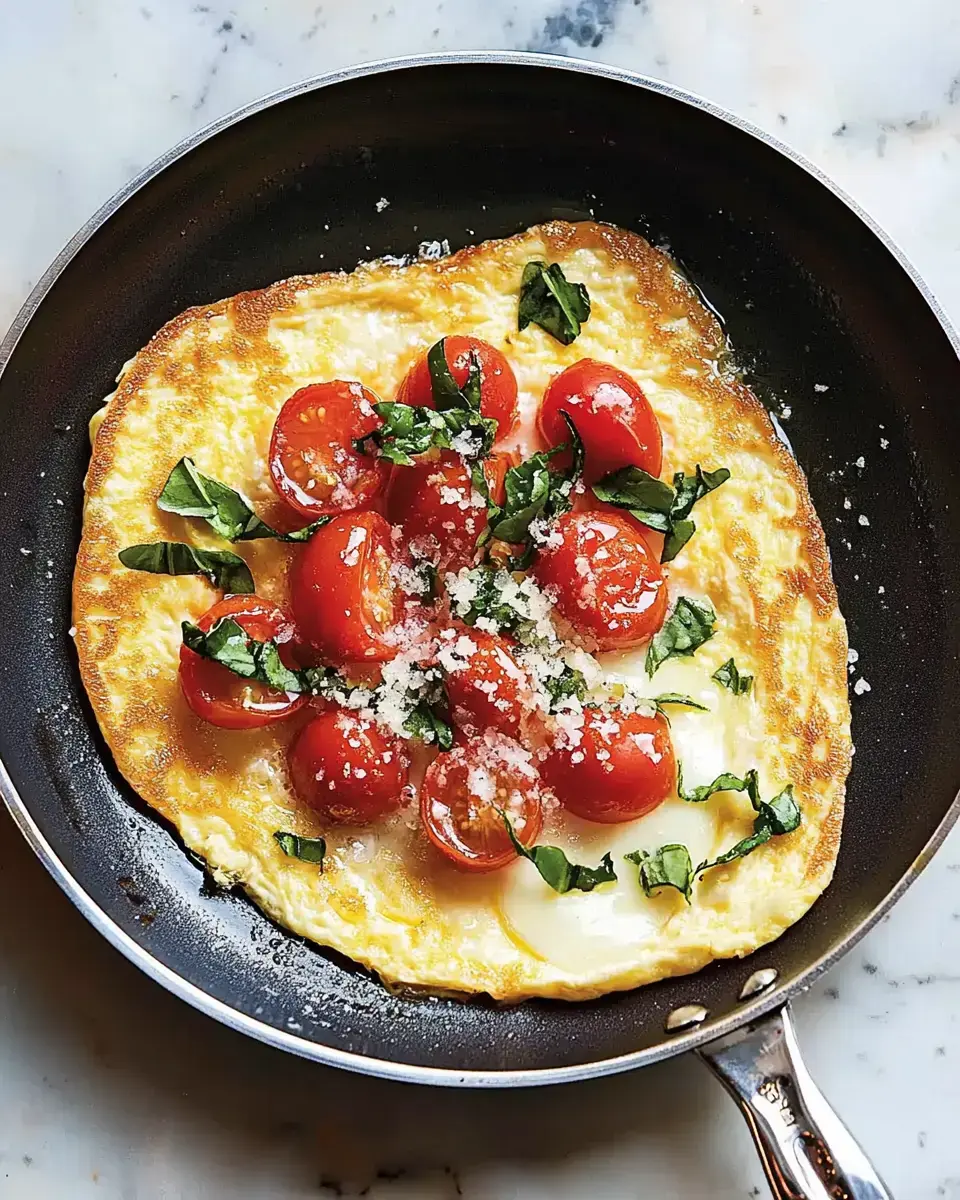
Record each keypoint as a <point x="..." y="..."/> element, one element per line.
<point x="188" y="493"/>
<point x="426" y="724"/>
<point x="558" y="871"/>
<point x="224" y="569"/>
<point x="229" y="645"/>
<point x="549" y="300"/>
<point x="309" y="850"/>
<point x="570" y="683"/>
<point x="446" y="391"/>
<point x="668" y="866"/>
<point x="679" y="700"/>
<point x="684" y="631"/>
<point x="774" y="817"/>
<point x="730" y="677"/>
<point x="659" y="506"/>
<point x="723" y="783"/>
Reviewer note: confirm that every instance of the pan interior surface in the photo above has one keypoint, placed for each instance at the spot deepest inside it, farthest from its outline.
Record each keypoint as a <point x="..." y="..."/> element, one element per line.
<point x="820" y="312"/>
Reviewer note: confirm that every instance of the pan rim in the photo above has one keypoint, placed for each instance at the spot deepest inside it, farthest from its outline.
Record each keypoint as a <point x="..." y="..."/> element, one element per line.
<point x="348" y="1060"/>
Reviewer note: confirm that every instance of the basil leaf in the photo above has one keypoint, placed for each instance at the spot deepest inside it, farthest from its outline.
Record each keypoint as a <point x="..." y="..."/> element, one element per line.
<point x="569" y="683"/>
<point x="229" y="645"/>
<point x="188" y="493"/>
<point x="425" y="723"/>
<point x="730" y="677"/>
<point x="668" y="866"/>
<point x="658" y="505"/>
<point x="723" y="783"/>
<point x="558" y="871"/>
<point x="549" y="300"/>
<point x="491" y="585"/>
<point x="224" y="569"/>
<point x="774" y="818"/>
<point x="309" y="850"/>
<point x="410" y="430"/>
<point x="446" y="392"/>
<point x="678" y="699"/>
<point x="684" y="631"/>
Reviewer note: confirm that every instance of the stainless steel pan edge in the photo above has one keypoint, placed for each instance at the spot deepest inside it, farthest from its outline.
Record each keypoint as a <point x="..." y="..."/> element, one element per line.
<point x="739" y="1047"/>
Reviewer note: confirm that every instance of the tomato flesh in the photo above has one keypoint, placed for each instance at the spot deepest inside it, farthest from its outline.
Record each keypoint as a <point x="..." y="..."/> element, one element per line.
<point x="342" y="591"/>
<point x="228" y="700"/>
<point x="314" y="464"/>
<point x="486" y="688"/>
<point x="347" y="768"/>
<point x="611" y="414"/>
<point x="605" y="579"/>
<point x="438" y="508"/>
<point x="462" y="792"/>
<point x="498" y="384"/>
<point x="622" y="767"/>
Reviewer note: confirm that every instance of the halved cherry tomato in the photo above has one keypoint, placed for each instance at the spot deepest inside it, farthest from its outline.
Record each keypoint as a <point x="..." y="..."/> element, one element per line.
<point x="622" y="767"/>
<point x="228" y="700"/>
<point x="486" y="687"/>
<point x="605" y="579"/>
<point x="438" y="507"/>
<point x="348" y="768"/>
<point x="463" y="794"/>
<point x="342" y="592"/>
<point x="613" y="417"/>
<point x="498" y="384"/>
<point x="314" y="464"/>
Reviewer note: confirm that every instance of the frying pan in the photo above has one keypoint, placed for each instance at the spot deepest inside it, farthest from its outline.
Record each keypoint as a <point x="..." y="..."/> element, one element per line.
<point x="466" y="147"/>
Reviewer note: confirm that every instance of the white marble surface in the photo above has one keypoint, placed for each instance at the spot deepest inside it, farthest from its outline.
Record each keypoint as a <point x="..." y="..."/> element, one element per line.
<point x="110" y="1088"/>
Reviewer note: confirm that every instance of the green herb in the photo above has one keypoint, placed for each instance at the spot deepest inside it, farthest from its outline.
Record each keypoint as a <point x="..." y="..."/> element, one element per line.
<point x="188" y="493"/>
<point x="223" y="568"/>
<point x="550" y="301"/>
<point x="534" y="492"/>
<point x="658" y="505"/>
<point x="723" y="783"/>
<point x="495" y="597"/>
<point x="309" y="850"/>
<point x="684" y="631"/>
<point x="569" y="683"/>
<point x="774" y="817"/>
<point x="558" y="871"/>
<point x="447" y="393"/>
<point x="228" y="644"/>
<point x="426" y="723"/>
<point x="669" y="866"/>
<point x="667" y="698"/>
<point x="730" y="677"/>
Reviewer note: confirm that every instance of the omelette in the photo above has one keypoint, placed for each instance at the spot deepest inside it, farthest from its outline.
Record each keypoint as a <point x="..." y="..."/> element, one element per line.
<point x="736" y="669"/>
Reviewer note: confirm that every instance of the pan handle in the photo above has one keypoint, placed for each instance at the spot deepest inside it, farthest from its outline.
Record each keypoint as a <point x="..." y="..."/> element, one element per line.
<point x="806" y="1150"/>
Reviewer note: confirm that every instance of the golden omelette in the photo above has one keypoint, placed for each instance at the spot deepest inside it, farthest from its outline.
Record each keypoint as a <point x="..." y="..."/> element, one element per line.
<point x="209" y="386"/>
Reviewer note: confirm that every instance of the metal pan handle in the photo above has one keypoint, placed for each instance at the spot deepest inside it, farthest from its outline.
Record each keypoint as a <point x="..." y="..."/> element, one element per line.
<point x="806" y="1150"/>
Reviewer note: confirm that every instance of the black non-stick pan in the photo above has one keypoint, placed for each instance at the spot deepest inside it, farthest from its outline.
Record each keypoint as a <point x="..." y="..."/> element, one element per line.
<point x="828" y="318"/>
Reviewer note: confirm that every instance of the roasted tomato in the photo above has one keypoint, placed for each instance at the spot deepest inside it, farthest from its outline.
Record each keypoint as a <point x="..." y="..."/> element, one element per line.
<point x="611" y="414"/>
<point x="314" y="464"/>
<point x="498" y="384"/>
<point x="464" y="793"/>
<point x="604" y="578"/>
<point x="486" y="688"/>
<point x="229" y="700"/>
<point x="439" y="510"/>
<point x="348" y="768"/>
<point x="622" y="767"/>
<point x="342" y="591"/>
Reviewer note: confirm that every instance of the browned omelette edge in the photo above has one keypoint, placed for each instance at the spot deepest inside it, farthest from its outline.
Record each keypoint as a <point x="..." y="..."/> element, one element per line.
<point x="657" y="277"/>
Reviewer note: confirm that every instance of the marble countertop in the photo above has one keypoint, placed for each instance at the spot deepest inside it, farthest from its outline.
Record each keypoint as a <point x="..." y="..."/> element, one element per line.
<point x="109" y="1087"/>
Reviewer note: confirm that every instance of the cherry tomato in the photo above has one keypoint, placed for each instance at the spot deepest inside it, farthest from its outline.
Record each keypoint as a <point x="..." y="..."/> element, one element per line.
<point x="314" y="464"/>
<point x="498" y="384"/>
<point x="605" y="579"/>
<point x="621" y="769"/>
<point x="615" y="422"/>
<point x="486" y="688"/>
<point x="228" y="700"/>
<point x="342" y="591"/>
<point x="348" y="768"/>
<point x="462" y="792"/>
<point x="438" y="507"/>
